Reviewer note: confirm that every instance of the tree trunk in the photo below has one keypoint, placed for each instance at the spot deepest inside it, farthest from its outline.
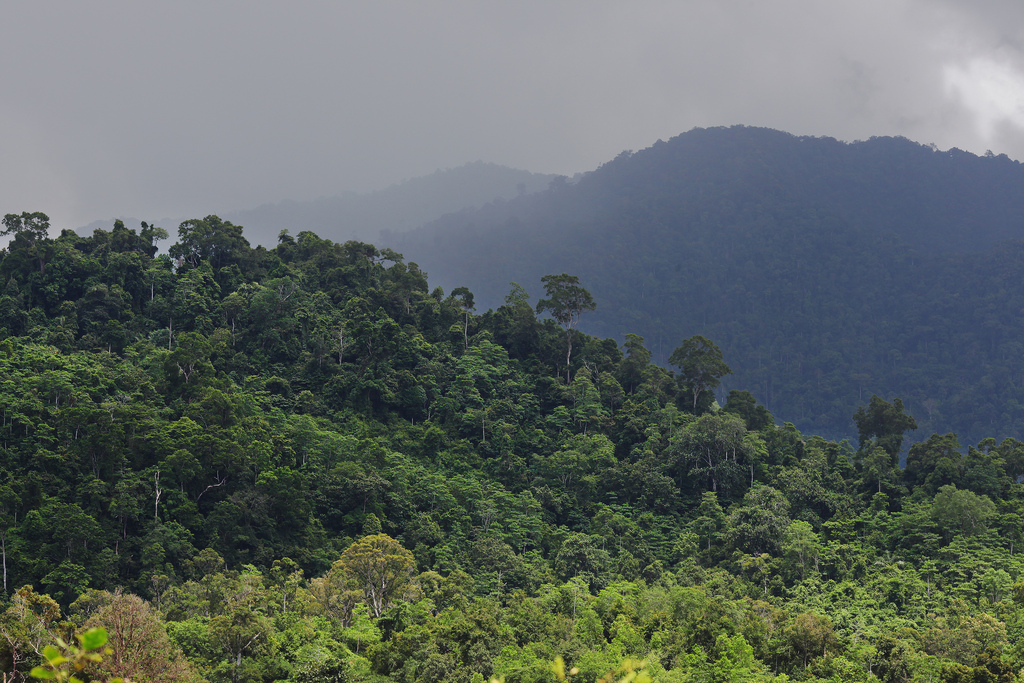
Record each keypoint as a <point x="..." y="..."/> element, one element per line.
<point x="156" y="501"/>
<point x="568" y="357"/>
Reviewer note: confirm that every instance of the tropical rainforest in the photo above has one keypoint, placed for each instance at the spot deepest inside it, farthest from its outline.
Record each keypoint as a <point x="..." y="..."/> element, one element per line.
<point x="826" y="271"/>
<point x="306" y="463"/>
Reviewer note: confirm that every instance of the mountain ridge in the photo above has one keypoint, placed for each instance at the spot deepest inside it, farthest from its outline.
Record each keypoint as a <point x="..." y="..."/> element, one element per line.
<point x="364" y="216"/>
<point x="786" y="251"/>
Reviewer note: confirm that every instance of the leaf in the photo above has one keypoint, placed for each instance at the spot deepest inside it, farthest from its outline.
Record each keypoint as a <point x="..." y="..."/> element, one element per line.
<point x="40" y="672"/>
<point x="94" y="638"/>
<point x="558" y="668"/>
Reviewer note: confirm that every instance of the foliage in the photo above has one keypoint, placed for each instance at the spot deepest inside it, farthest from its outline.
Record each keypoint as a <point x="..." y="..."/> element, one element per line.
<point x="883" y="425"/>
<point x="701" y="367"/>
<point x="379" y="567"/>
<point x="304" y="464"/>
<point x="74" y="664"/>
<point x="567" y="302"/>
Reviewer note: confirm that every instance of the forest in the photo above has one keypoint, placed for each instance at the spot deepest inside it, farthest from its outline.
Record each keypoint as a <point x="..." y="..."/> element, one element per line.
<point x="826" y="271"/>
<point x="305" y="463"/>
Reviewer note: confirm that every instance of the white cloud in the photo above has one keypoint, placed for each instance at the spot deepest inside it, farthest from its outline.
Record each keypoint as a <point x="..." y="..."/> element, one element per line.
<point x="991" y="90"/>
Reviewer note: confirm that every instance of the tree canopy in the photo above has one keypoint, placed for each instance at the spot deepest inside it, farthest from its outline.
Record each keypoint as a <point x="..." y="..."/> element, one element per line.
<point x="307" y="464"/>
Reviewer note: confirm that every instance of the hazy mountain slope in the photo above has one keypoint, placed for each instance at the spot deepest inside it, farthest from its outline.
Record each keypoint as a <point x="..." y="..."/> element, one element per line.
<point x="826" y="271"/>
<point x="398" y="208"/>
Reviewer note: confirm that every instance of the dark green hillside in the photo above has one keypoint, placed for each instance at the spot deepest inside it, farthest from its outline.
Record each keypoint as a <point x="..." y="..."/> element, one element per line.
<point x="826" y="271"/>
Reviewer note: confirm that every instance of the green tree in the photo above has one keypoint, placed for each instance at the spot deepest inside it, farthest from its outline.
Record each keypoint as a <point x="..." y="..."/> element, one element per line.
<point x="894" y="660"/>
<point x="635" y="363"/>
<point x="465" y="298"/>
<point x="577" y="463"/>
<point x="883" y="424"/>
<point x="961" y="511"/>
<point x="209" y="239"/>
<point x="581" y="556"/>
<point x="27" y="626"/>
<point x="934" y="462"/>
<point x="710" y="520"/>
<point x="811" y="635"/>
<point x="717" y="446"/>
<point x="701" y="367"/>
<point x="191" y="353"/>
<point x="567" y="301"/>
<point x="802" y="545"/>
<point x="744" y="404"/>
<point x="32" y="228"/>
<point x="380" y="568"/>
<point x="9" y="504"/>
<point x="877" y="466"/>
<point x="241" y="632"/>
<point x="760" y="524"/>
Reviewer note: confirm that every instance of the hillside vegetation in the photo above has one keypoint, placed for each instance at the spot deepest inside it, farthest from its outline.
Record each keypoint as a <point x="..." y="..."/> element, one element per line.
<point x="307" y="464"/>
<point x="826" y="271"/>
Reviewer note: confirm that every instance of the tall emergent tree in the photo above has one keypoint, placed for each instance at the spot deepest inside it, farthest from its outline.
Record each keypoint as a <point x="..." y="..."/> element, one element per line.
<point x="218" y="241"/>
<point x="379" y="567"/>
<point x="31" y="227"/>
<point x="567" y="300"/>
<point x="701" y="366"/>
<point x="883" y="424"/>
<point x="465" y="298"/>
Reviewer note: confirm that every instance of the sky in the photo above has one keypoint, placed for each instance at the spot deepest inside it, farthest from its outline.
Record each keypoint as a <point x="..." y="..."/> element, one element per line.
<point x="192" y="107"/>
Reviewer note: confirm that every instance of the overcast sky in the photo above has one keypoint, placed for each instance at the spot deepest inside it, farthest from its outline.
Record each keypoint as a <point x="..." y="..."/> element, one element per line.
<point x="185" y="108"/>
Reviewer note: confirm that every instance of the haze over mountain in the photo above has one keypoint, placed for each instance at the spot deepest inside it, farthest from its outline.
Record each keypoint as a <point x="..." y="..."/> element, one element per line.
<point x="271" y="102"/>
<point x="363" y="216"/>
<point x="826" y="271"/>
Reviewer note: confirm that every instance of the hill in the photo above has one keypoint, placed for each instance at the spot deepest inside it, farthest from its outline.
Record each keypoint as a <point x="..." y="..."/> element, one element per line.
<point x="317" y="466"/>
<point x="826" y="271"/>
<point x="365" y="216"/>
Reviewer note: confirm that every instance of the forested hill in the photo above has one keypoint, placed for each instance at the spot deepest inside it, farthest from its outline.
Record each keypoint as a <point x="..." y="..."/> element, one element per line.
<point x="826" y="271"/>
<point x="310" y="464"/>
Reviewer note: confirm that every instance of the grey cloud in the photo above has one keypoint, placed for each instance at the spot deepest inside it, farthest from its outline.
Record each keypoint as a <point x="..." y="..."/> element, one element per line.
<point x="186" y="108"/>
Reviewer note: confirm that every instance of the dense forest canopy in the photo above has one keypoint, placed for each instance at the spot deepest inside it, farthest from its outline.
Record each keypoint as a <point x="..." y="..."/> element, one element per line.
<point x="826" y="271"/>
<point x="307" y="464"/>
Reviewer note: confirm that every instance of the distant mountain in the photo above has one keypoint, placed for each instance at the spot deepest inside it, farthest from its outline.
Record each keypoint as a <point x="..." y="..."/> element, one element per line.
<point x="365" y="217"/>
<point x="826" y="271"/>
